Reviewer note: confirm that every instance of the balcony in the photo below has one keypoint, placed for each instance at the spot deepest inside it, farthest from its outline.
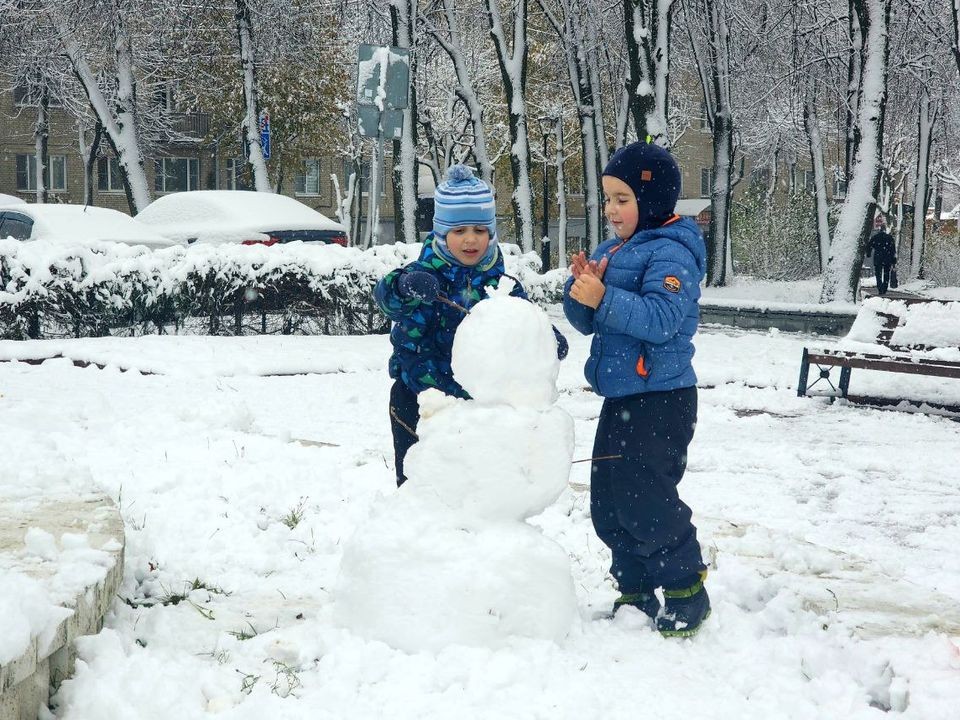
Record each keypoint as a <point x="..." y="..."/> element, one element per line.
<point x="194" y="126"/>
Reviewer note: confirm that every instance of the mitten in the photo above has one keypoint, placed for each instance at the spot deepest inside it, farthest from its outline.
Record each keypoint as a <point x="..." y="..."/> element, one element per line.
<point x="563" y="347"/>
<point x="418" y="284"/>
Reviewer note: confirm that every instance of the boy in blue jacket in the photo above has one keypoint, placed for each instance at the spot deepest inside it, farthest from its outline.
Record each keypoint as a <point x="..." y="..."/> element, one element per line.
<point x="459" y="261"/>
<point x="638" y="295"/>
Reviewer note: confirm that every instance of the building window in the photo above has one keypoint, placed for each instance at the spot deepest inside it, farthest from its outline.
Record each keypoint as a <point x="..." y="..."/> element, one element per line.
<point x="704" y="117"/>
<point x="810" y="181"/>
<point x="109" y="178"/>
<point x="27" y="172"/>
<point x="307" y="181"/>
<point x="760" y="178"/>
<point x="839" y="187"/>
<point x="176" y="174"/>
<point x="706" y="182"/>
<point x="27" y="97"/>
<point x="237" y="174"/>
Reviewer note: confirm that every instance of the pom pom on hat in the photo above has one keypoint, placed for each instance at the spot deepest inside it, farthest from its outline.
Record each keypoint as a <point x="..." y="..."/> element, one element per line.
<point x="459" y="173"/>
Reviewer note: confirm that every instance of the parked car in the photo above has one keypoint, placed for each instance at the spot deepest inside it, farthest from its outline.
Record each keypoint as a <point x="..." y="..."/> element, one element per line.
<point x="11" y="200"/>
<point x="71" y="223"/>
<point x="239" y="216"/>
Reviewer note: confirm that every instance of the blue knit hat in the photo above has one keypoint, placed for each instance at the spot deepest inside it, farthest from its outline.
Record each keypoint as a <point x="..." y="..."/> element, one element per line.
<point x="653" y="175"/>
<point x="463" y="199"/>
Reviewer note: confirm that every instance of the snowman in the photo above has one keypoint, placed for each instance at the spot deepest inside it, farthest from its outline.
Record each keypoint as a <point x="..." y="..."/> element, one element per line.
<point x="449" y="559"/>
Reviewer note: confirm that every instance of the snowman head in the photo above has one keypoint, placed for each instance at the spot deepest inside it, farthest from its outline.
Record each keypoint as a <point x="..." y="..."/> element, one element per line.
<point x="505" y="352"/>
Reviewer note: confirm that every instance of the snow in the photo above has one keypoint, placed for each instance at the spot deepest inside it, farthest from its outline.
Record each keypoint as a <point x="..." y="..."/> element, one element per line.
<point x="836" y="581"/>
<point x="11" y="200"/>
<point x="63" y="223"/>
<point x="224" y="216"/>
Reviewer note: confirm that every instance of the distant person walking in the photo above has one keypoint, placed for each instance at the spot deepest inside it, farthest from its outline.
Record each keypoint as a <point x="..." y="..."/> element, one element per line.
<point x="884" y="250"/>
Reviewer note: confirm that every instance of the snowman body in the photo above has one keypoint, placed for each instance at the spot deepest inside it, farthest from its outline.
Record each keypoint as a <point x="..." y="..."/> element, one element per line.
<point x="449" y="558"/>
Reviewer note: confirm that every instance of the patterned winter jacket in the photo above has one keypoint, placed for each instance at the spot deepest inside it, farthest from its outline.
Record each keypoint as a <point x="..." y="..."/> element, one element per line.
<point x="422" y="335"/>
<point x="643" y="328"/>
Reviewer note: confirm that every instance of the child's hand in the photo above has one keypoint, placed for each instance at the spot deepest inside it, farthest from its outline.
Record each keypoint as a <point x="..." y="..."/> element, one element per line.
<point x="588" y="289"/>
<point x="579" y="265"/>
<point x="419" y="284"/>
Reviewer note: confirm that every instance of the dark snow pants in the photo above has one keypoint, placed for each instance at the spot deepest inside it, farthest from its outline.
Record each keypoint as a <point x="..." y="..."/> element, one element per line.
<point x="404" y="410"/>
<point x="882" y="271"/>
<point x="634" y="503"/>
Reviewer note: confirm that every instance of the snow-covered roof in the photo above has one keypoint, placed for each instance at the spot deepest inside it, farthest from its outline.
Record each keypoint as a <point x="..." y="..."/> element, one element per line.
<point x="222" y="216"/>
<point x="85" y="223"/>
<point x="692" y="207"/>
<point x="951" y="214"/>
<point x="11" y="200"/>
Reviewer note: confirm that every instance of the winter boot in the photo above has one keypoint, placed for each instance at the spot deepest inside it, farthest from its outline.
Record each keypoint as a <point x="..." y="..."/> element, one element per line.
<point x="644" y="601"/>
<point x="685" y="609"/>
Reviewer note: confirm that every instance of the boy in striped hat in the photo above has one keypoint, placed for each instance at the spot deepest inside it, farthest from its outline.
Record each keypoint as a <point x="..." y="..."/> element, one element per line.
<point x="460" y="260"/>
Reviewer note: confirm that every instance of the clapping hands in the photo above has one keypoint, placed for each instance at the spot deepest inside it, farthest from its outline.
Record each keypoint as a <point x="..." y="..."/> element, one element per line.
<point x="588" y="288"/>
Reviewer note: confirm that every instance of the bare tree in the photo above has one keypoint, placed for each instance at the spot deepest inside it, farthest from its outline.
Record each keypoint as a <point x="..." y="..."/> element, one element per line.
<point x="710" y="18"/>
<point x="842" y="274"/>
<point x="512" y="57"/>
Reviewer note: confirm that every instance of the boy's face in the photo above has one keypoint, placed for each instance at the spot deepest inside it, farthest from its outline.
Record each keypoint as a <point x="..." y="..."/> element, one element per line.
<point x="468" y="243"/>
<point x="620" y="206"/>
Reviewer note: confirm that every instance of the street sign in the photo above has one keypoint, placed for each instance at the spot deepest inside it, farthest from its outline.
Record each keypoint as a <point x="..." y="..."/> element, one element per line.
<point x="370" y="120"/>
<point x="265" y="134"/>
<point x="383" y="77"/>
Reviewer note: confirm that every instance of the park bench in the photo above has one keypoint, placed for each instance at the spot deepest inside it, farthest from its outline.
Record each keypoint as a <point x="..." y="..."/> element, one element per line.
<point x="917" y="336"/>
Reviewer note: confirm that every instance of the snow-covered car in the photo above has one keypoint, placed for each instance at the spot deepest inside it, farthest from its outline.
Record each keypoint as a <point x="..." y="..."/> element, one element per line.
<point x="239" y="216"/>
<point x="11" y="200"/>
<point x="75" y="223"/>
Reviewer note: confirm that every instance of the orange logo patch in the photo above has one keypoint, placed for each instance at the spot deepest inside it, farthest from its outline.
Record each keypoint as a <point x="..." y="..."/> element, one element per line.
<point x="672" y="283"/>
<point x="646" y="175"/>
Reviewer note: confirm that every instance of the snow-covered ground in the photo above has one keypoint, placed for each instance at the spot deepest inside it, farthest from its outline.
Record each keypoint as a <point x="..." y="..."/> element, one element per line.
<point x="835" y="531"/>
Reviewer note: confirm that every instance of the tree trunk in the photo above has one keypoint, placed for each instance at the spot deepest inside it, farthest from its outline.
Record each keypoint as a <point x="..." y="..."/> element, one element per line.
<point x="955" y="15"/>
<point x="647" y="28"/>
<point x="403" y="15"/>
<point x="718" y="240"/>
<point x="513" y="70"/>
<point x="251" y="117"/>
<point x="713" y="67"/>
<point x="854" y="83"/>
<point x="856" y="216"/>
<point x="927" y="117"/>
<point x="41" y="139"/>
<point x="561" y="197"/>
<point x="90" y="154"/>
<point x="583" y="76"/>
<point x="815" y="143"/>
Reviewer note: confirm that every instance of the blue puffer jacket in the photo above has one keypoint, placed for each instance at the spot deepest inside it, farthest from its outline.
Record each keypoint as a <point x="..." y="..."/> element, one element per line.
<point x="649" y="312"/>
<point x="422" y="335"/>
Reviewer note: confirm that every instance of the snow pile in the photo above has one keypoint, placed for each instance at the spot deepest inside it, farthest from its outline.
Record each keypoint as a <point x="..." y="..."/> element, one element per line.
<point x="448" y="559"/>
<point x="39" y="583"/>
<point x="26" y="612"/>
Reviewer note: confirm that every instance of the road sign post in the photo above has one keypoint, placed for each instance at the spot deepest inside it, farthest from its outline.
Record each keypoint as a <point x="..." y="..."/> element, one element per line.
<point x="265" y="134"/>
<point x="383" y="89"/>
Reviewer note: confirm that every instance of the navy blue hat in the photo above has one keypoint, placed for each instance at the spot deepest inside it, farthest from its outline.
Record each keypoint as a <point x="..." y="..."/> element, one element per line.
<point x="653" y="175"/>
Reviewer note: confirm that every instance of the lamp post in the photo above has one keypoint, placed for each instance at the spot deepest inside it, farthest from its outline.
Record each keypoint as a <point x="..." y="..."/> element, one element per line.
<point x="546" y="128"/>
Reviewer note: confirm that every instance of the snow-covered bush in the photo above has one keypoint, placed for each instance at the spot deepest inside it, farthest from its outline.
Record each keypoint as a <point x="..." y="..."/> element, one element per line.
<point x="941" y="257"/>
<point x="58" y="290"/>
<point x="775" y="240"/>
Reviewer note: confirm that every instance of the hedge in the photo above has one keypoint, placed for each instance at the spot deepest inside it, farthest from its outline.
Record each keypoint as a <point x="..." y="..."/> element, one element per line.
<point x="81" y="290"/>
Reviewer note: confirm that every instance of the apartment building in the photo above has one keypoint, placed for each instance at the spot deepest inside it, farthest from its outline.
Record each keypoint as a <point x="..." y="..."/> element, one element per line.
<point x="188" y="158"/>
